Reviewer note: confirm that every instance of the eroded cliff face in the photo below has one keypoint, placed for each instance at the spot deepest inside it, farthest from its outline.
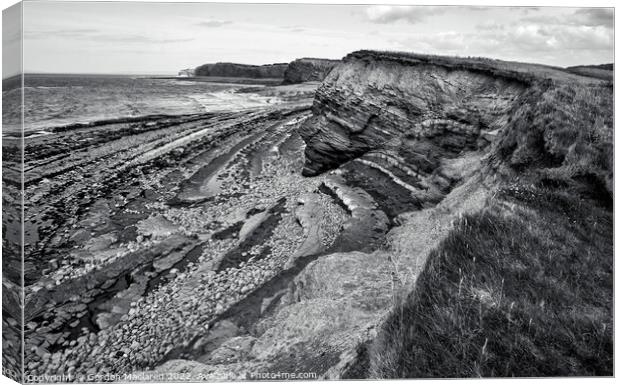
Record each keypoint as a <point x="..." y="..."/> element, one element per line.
<point x="308" y="69"/>
<point x="368" y="104"/>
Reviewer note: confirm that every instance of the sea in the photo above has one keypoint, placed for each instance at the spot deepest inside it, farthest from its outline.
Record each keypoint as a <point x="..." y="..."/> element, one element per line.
<point x="58" y="100"/>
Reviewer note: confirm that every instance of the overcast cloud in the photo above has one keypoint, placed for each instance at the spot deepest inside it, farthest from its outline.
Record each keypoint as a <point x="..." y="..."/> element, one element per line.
<point x="213" y="23"/>
<point x="389" y="14"/>
<point x="166" y="37"/>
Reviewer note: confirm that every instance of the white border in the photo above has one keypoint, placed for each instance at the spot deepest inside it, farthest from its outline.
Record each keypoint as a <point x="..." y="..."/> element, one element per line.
<point x="565" y="3"/>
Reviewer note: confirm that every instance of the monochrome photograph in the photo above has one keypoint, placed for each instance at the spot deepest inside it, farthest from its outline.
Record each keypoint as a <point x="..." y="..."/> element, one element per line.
<point x="208" y="192"/>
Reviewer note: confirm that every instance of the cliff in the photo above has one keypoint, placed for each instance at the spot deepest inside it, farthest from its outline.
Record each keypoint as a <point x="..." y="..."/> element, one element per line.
<point x="308" y="69"/>
<point x="368" y="102"/>
<point x="242" y="70"/>
<point x="497" y="180"/>
<point x="398" y="102"/>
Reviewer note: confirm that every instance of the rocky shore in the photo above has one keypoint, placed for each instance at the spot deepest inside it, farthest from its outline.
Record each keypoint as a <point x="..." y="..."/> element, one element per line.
<point x="281" y="238"/>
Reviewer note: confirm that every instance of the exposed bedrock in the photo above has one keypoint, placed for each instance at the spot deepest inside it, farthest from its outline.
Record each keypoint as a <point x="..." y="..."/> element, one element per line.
<point x="308" y="69"/>
<point x="368" y="103"/>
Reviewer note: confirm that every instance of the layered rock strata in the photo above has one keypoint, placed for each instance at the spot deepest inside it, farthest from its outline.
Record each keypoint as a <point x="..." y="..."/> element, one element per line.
<point x="367" y="104"/>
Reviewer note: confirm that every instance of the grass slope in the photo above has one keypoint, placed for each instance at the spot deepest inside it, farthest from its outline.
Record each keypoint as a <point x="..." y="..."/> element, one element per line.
<point x="601" y="71"/>
<point x="525" y="294"/>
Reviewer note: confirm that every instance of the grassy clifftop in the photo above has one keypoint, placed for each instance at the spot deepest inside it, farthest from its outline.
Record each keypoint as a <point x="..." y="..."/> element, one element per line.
<point x="526" y="72"/>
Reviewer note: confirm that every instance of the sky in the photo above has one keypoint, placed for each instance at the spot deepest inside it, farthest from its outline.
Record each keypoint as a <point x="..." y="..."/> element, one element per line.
<point x="162" y="38"/>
